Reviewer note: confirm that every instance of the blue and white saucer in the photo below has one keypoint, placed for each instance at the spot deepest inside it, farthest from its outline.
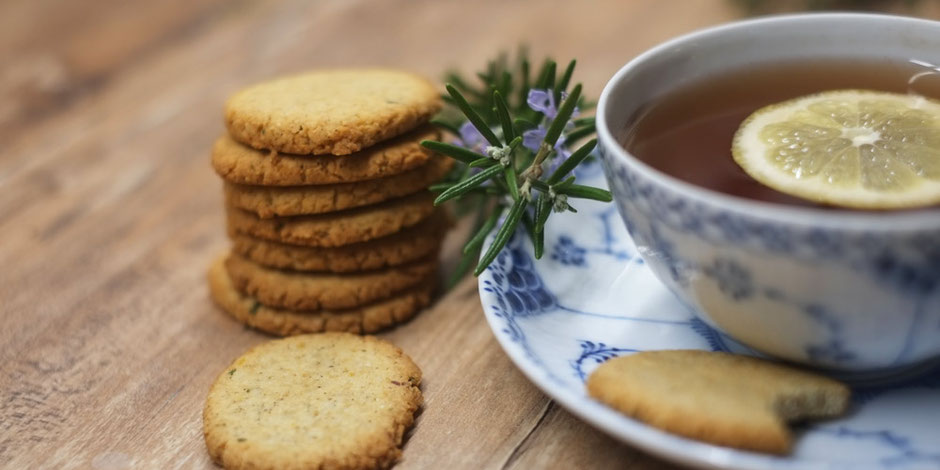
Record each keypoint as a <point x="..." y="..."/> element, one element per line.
<point x="591" y="298"/>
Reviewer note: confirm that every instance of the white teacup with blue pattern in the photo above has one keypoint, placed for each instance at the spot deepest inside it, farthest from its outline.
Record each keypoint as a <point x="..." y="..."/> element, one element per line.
<point x="857" y="292"/>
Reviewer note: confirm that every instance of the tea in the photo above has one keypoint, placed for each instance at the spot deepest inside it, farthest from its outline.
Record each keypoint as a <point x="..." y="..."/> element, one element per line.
<point x="688" y="133"/>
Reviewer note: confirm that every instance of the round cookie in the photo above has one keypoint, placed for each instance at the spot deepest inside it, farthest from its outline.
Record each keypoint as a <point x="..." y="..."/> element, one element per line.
<point x="398" y="248"/>
<point x="297" y="290"/>
<point x="334" y="112"/>
<point x="721" y="398"/>
<point x="336" y="228"/>
<point x="327" y="401"/>
<point x="271" y="201"/>
<point x="365" y="319"/>
<point x="241" y="164"/>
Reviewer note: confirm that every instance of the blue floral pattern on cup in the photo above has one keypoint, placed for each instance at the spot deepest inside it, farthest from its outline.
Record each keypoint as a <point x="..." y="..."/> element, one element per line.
<point x="734" y="262"/>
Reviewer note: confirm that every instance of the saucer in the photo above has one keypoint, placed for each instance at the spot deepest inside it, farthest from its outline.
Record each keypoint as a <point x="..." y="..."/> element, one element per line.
<point x="591" y="298"/>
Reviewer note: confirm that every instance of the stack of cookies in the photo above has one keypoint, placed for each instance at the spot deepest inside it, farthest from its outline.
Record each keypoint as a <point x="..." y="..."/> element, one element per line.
<point x="332" y="226"/>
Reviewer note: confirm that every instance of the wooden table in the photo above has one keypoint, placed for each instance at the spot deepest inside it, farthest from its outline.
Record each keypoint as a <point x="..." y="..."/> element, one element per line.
<point x="110" y="214"/>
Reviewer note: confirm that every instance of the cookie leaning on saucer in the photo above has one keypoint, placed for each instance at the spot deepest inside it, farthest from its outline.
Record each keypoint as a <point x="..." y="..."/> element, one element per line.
<point x="721" y="398"/>
<point x="365" y="319"/>
<point x="398" y="248"/>
<point x="297" y="290"/>
<point x="326" y="401"/>
<point x="334" y="112"/>
<point x="237" y="163"/>
<point x="272" y="201"/>
<point x="336" y="228"/>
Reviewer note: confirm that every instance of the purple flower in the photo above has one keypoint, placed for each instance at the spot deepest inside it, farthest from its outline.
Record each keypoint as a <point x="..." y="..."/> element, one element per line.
<point x="543" y="101"/>
<point x="472" y="139"/>
<point x="532" y="138"/>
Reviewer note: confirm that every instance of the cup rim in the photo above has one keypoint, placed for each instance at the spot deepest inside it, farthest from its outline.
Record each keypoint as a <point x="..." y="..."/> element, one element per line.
<point x="912" y="220"/>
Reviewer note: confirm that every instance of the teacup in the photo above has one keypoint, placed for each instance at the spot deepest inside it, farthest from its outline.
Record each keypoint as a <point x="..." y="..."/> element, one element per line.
<point x="836" y="289"/>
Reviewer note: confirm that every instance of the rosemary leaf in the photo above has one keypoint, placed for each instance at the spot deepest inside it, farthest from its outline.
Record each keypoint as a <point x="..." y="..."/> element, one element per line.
<point x="583" y="121"/>
<point x="550" y="76"/>
<point x="542" y="211"/>
<point x="485" y="190"/>
<point x="457" y="80"/>
<point x="465" y="172"/>
<point x="476" y="241"/>
<point x="539" y="206"/>
<point x="493" y="65"/>
<point x="562" y="85"/>
<point x="564" y="184"/>
<point x="466" y="185"/>
<point x="502" y="111"/>
<point x="503" y="235"/>
<point x="439" y="187"/>
<point x="447" y="126"/>
<point x="482" y="162"/>
<point x="548" y="69"/>
<point x="505" y="84"/>
<point x="515" y="142"/>
<point x="473" y="117"/>
<point x="521" y="125"/>
<point x="456" y="152"/>
<point x="512" y="181"/>
<point x="489" y="190"/>
<point x="524" y="89"/>
<point x="579" y="133"/>
<point x="538" y="238"/>
<point x="540" y="185"/>
<point x="586" y="192"/>
<point x="574" y="160"/>
<point x="564" y="114"/>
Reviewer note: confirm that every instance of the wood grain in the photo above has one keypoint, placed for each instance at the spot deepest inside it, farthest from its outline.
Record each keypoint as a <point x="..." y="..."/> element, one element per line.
<point x="110" y="215"/>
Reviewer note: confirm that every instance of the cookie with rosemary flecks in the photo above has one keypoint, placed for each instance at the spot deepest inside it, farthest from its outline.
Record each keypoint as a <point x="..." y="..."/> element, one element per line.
<point x="279" y="201"/>
<point x="325" y="401"/>
<point x="336" y="228"/>
<point x="334" y="112"/>
<point x="299" y="290"/>
<point x="408" y="245"/>
<point x="277" y="321"/>
<point x="241" y="164"/>
<point x="716" y="397"/>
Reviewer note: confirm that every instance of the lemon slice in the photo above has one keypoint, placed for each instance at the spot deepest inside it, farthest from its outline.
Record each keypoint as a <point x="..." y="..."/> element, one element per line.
<point x="853" y="148"/>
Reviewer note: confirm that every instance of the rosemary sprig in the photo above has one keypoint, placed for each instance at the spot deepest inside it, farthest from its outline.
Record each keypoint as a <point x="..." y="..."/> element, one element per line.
<point x="511" y="132"/>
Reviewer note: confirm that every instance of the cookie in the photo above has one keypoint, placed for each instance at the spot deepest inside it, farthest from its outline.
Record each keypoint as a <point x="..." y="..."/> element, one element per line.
<point x="721" y="398"/>
<point x="270" y="201"/>
<point x="297" y="290"/>
<point x="405" y="246"/>
<point x="365" y="319"/>
<point x="334" y="112"/>
<point x="336" y="228"/>
<point x="241" y="164"/>
<point x="327" y="401"/>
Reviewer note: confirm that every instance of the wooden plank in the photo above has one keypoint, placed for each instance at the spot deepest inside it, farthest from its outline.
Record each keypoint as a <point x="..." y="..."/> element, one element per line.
<point x="54" y="53"/>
